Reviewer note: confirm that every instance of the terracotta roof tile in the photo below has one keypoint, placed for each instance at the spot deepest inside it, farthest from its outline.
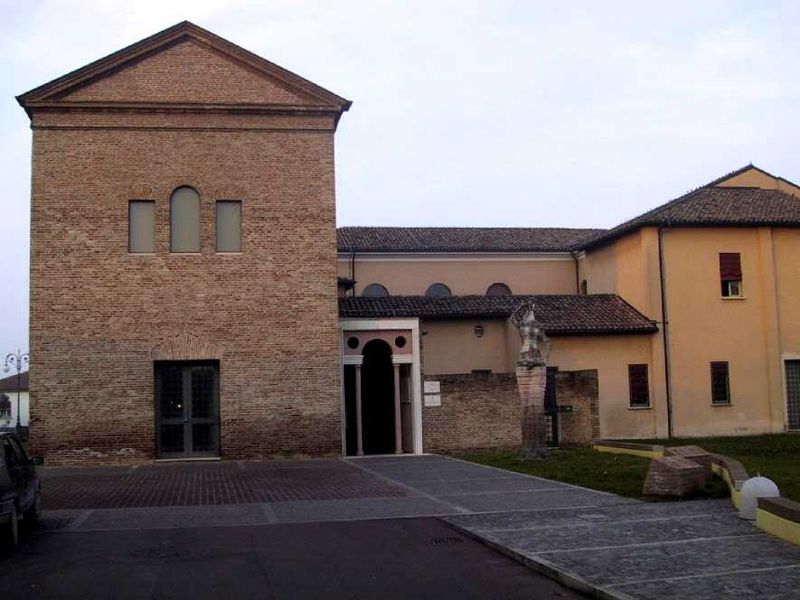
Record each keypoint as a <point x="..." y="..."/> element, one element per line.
<point x="9" y="384"/>
<point x="560" y="314"/>
<point x="461" y="239"/>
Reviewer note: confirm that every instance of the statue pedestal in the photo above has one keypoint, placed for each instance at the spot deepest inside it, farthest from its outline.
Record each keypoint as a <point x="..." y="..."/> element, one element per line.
<point x="531" y="384"/>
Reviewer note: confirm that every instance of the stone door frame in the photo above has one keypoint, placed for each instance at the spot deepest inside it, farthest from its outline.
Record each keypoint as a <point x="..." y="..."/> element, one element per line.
<point x="416" y="374"/>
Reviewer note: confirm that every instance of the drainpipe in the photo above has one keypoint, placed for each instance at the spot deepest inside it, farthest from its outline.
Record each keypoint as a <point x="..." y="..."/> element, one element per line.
<point x="353" y="270"/>
<point x="577" y="274"/>
<point x="665" y="330"/>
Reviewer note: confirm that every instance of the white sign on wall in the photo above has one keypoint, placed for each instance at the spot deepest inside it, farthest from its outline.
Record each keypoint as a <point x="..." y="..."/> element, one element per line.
<point x="432" y="387"/>
<point x="433" y="400"/>
<point x="432" y="391"/>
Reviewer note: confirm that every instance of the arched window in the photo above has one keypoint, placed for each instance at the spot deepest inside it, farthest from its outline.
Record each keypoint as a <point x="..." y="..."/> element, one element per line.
<point x="438" y="289"/>
<point x="375" y="290"/>
<point x="498" y="289"/>
<point x="184" y="220"/>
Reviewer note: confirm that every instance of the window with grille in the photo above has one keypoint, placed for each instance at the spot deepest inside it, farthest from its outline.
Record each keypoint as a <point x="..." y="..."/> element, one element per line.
<point x="639" y="385"/>
<point x="720" y="383"/>
<point x="793" y="394"/>
<point x="730" y="274"/>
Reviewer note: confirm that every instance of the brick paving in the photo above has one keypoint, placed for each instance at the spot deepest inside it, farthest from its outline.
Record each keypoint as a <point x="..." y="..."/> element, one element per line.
<point x="191" y="484"/>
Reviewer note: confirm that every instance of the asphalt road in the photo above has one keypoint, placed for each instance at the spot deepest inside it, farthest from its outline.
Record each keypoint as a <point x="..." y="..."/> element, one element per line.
<point x="403" y="558"/>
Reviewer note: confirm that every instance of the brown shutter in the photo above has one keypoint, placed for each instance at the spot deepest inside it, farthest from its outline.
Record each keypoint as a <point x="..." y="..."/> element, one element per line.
<point x="730" y="266"/>
<point x="638" y="385"/>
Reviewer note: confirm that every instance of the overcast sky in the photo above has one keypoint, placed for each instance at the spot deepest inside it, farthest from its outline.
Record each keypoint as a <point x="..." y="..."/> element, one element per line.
<point x="577" y="114"/>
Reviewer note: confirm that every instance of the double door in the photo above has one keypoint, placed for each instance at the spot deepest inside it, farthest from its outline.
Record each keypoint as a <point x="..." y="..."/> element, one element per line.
<point x="187" y="409"/>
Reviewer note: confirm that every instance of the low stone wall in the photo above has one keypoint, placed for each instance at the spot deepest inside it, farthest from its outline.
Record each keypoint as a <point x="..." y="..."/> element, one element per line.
<point x="777" y="516"/>
<point x="479" y="411"/>
<point x="578" y="390"/>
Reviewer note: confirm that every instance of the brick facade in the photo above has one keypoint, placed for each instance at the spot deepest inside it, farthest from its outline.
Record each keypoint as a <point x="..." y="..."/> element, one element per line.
<point x="478" y="412"/>
<point x="578" y="390"/>
<point x="101" y="316"/>
<point x="481" y="411"/>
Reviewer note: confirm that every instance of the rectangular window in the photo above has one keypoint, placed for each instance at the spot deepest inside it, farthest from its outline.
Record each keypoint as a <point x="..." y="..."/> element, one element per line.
<point x="141" y="226"/>
<point x="639" y="385"/>
<point x="730" y="274"/>
<point x="720" y="383"/>
<point x="229" y="226"/>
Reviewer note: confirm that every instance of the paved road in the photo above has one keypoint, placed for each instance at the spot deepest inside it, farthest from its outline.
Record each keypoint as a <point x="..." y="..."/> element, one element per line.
<point x="407" y="558"/>
<point x="598" y="541"/>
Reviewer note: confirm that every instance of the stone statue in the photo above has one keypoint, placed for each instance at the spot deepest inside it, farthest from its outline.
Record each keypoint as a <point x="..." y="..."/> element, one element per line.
<point x="531" y="380"/>
<point x="535" y="348"/>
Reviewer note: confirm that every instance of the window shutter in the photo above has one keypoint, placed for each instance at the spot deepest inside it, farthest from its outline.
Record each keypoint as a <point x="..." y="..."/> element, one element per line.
<point x="638" y="385"/>
<point x="730" y="266"/>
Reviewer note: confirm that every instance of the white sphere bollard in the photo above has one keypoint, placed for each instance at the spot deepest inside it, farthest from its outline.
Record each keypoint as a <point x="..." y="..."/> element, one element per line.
<point x="753" y="489"/>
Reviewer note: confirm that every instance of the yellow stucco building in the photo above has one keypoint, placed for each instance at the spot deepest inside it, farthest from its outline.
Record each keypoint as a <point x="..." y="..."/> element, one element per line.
<point x="680" y="322"/>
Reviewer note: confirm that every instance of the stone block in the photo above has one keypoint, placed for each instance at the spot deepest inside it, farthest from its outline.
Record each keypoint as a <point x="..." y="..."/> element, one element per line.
<point x="693" y="453"/>
<point x="674" y="476"/>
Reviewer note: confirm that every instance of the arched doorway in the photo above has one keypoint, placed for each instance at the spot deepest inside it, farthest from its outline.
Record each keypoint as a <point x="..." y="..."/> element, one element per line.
<point x="377" y="393"/>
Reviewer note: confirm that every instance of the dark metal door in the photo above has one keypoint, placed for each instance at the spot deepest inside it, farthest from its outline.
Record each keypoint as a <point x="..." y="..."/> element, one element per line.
<point x="187" y="409"/>
<point x="551" y="407"/>
<point x="793" y="394"/>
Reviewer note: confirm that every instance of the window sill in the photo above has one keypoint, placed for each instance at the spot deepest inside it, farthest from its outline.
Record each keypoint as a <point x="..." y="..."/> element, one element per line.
<point x="640" y="407"/>
<point x="732" y="298"/>
<point x="720" y="405"/>
<point x="229" y="253"/>
<point x="185" y="253"/>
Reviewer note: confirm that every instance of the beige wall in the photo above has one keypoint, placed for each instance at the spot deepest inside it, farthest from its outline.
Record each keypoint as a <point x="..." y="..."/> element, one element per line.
<point x="705" y="327"/>
<point x="756" y="178"/>
<point x="451" y="346"/>
<point x="752" y="334"/>
<point x="532" y="275"/>
<point x="610" y="356"/>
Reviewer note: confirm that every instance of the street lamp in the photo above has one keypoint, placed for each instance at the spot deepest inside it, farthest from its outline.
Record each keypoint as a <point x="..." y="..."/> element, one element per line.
<point x="17" y="360"/>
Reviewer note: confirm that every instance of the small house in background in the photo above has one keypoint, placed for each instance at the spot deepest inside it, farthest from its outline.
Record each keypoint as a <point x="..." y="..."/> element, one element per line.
<point x="8" y="401"/>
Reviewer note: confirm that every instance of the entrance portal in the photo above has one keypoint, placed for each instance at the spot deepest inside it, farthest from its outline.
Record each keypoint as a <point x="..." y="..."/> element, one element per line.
<point x="187" y="409"/>
<point x="377" y="398"/>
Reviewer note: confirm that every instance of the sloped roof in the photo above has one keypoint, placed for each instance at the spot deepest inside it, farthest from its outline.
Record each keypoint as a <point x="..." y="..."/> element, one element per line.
<point x="714" y="206"/>
<point x="9" y="384"/>
<point x="57" y="88"/>
<point x="560" y="314"/>
<point x="461" y="239"/>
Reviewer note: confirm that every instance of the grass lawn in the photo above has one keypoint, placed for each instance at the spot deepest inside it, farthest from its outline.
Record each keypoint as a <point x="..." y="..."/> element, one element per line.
<point x="775" y="456"/>
<point x="617" y="473"/>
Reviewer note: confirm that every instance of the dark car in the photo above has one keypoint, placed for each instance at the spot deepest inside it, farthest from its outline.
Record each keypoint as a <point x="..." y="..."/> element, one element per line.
<point x="20" y="488"/>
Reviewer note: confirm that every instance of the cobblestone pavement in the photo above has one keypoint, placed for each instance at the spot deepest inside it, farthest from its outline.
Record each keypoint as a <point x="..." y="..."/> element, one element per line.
<point x="599" y="543"/>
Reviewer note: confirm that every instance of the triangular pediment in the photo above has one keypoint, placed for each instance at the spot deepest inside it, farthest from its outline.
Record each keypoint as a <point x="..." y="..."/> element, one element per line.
<point x="183" y="65"/>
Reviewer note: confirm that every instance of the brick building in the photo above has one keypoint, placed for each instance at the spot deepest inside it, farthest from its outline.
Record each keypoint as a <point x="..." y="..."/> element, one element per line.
<point x="230" y="299"/>
<point x="184" y="272"/>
